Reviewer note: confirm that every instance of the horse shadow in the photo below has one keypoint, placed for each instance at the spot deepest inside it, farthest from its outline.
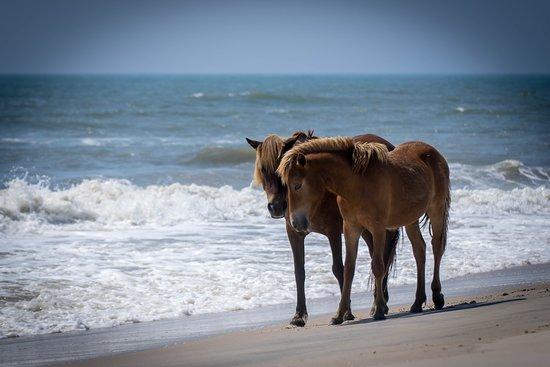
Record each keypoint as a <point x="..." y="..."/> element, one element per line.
<point x="458" y="307"/>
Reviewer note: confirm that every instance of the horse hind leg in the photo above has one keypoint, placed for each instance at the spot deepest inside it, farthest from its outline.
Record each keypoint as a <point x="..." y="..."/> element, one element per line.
<point x="438" y="219"/>
<point x="419" y="251"/>
<point x="379" y="270"/>
<point x="438" y="212"/>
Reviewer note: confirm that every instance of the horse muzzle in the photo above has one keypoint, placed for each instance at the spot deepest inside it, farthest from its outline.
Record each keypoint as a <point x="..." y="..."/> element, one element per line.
<point x="277" y="209"/>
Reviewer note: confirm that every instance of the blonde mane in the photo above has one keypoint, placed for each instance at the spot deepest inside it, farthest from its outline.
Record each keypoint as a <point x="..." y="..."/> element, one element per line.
<point x="267" y="156"/>
<point x="361" y="153"/>
<point x="271" y="150"/>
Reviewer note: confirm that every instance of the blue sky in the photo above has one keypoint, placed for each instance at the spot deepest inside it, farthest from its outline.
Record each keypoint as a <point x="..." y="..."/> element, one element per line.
<point x="425" y="36"/>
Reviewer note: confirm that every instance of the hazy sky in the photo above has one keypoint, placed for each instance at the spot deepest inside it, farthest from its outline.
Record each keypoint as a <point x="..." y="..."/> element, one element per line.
<point x="428" y="36"/>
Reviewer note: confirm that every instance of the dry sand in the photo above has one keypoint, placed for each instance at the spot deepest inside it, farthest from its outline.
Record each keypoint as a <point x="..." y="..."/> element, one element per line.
<point x="511" y="328"/>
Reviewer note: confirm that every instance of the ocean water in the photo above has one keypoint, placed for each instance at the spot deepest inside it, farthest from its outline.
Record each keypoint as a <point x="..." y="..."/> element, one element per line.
<point x="128" y="198"/>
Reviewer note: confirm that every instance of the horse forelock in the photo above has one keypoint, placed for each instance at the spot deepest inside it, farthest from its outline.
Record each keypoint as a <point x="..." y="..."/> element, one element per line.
<point x="361" y="153"/>
<point x="267" y="157"/>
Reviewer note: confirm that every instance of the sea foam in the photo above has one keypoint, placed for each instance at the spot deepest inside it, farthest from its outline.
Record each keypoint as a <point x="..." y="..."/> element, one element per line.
<point x="120" y="203"/>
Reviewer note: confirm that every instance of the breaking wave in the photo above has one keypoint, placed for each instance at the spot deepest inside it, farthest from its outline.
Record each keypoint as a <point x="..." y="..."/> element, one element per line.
<point x="119" y="203"/>
<point x="506" y="174"/>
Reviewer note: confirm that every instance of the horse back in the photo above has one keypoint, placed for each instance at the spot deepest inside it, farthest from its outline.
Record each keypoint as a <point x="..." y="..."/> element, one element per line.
<point x="418" y="150"/>
<point x="371" y="138"/>
<point x="427" y="159"/>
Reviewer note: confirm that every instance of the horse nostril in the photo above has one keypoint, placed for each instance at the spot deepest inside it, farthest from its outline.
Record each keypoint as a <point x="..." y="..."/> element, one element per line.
<point x="270" y="207"/>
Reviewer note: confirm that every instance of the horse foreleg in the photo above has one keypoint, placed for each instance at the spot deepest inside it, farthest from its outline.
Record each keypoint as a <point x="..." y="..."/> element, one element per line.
<point x="351" y="234"/>
<point x="367" y="236"/>
<point x="335" y="240"/>
<point x="392" y="236"/>
<point x="297" y="244"/>
<point x="379" y="271"/>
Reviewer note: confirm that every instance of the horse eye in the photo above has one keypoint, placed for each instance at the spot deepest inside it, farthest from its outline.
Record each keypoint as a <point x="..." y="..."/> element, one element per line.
<point x="297" y="186"/>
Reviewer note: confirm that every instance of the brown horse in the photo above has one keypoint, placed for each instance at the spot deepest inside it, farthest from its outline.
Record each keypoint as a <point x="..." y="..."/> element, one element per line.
<point x="325" y="217"/>
<point x="377" y="190"/>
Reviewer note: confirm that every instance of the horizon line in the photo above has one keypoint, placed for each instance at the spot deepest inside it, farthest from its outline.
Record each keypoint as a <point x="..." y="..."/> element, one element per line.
<point x="274" y="74"/>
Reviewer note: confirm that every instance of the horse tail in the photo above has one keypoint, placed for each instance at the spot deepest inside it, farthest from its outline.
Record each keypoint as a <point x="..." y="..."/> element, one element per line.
<point x="446" y="212"/>
<point x="441" y="175"/>
<point x="424" y="220"/>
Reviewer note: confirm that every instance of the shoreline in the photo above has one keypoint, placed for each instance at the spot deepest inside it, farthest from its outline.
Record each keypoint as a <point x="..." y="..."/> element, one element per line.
<point x="126" y="340"/>
<point x="505" y="329"/>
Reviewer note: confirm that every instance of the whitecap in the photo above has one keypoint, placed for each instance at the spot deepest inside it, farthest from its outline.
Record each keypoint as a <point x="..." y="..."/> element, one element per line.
<point x="90" y="142"/>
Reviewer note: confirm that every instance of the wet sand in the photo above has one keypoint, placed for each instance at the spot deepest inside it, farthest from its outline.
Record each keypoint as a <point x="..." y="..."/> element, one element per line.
<point x="508" y="328"/>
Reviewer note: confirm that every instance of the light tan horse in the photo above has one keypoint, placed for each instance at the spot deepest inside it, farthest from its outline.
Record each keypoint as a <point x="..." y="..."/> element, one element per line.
<point x="325" y="218"/>
<point x="377" y="190"/>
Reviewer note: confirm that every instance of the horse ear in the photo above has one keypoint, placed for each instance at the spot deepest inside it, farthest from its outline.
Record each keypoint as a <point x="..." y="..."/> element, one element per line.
<point x="301" y="159"/>
<point x="298" y="136"/>
<point x="288" y="144"/>
<point x="253" y="143"/>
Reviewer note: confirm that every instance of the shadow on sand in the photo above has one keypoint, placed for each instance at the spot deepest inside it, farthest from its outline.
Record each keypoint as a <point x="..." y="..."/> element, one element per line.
<point x="459" y="307"/>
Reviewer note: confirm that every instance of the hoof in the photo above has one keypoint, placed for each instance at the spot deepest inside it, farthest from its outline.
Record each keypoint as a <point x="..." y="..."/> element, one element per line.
<point x="416" y="308"/>
<point x="379" y="316"/>
<point x="348" y="316"/>
<point x="439" y="301"/>
<point x="336" y="320"/>
<point x="299" y="320"/>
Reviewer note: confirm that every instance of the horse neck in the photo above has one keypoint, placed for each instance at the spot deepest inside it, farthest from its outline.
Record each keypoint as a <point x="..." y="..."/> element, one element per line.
<point x="335" y="173"/>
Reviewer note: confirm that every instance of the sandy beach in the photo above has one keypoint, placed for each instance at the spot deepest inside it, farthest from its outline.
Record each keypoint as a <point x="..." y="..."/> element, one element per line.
<point x="500" y="316"/>
<point x="507" y="328"/>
